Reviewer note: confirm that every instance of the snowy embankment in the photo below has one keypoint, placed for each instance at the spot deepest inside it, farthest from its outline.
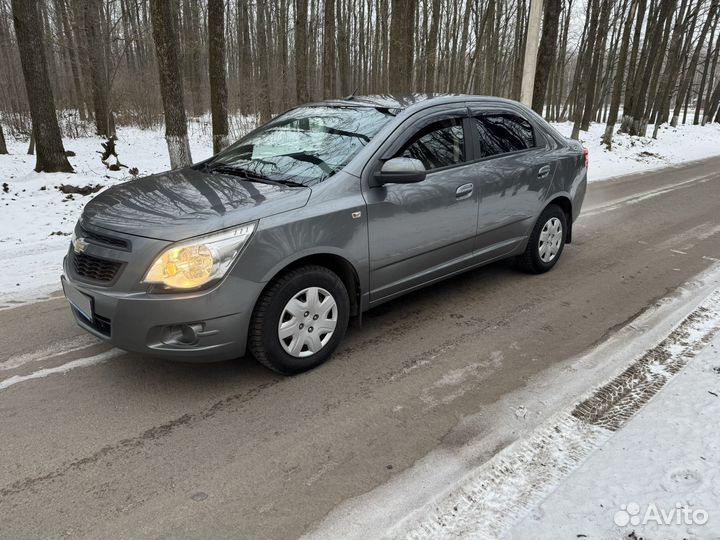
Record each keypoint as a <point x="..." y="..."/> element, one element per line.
<point x="629" y="155"/>
<point x="36" y="218"/>
<point x="657" y="478"/>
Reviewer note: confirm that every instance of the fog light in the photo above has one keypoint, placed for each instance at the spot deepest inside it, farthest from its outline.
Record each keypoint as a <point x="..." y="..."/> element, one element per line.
<point x="189" y="334"/>
<point x="182" y="334"/>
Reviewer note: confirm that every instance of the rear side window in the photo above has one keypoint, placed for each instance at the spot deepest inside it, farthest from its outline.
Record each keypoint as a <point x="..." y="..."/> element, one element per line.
<point x="500" y="133"/>
<point x="437" y="145"/>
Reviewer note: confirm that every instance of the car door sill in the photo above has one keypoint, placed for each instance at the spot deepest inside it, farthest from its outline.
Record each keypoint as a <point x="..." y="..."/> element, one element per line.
<point x="475" y="260"/>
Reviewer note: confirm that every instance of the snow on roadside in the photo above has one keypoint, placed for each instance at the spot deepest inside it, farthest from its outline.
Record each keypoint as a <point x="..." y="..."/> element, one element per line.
<point x="673" y="146"/>
<point x="36" y="219"/>
<point x="663" y="461"/>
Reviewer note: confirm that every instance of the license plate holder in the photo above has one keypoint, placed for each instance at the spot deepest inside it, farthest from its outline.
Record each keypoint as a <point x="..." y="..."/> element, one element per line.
<point x="82" y="302"/>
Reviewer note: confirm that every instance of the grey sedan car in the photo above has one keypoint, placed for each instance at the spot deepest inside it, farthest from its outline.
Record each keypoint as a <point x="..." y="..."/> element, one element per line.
<point x="328" y="210"/>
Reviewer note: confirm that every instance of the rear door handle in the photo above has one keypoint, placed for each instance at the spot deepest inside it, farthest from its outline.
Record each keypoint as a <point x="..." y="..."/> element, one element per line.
<point x="544" y="171"/>
<point x="464" y="191"/>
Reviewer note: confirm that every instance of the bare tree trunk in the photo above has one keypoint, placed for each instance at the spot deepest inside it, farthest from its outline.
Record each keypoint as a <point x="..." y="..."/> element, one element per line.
<point x="192" y="46"/>
<point x="708" y="94"/>
<point x="633" y="69"/>
<point x="662" y="105"/>
<point x="3" y="146"/>
<point x="703" y="81"/>
<point x="713" y="105"/>
<point x="597" y="55"/>
<point x="583" y="71"/>
<point x="402" y="26"/>
<point x="263" y="61"/>
<point x="561" y="63"/>
<point x="343" y="51"/>
<point x="329" y="50"/>
<point x="281" y="54"/>
<point x="245" y="57"/>
<point x="655" y="66"/>
<point x="301" y="61"/>
<point x="519" y="47"/>
<point x="74" y="59"/>
<point x="171" y="83"/>
<point x="546" y="53"/>
<point x="491" y="35"/>
<point x="28" y="31"/>
<point x="218" y="83"/>
<point x="690" y="70"/>
<point x="91" y="25"/>
<point x="77" y="23"/>
<point x="619" y="74"/>
<point x="431" y="47"/>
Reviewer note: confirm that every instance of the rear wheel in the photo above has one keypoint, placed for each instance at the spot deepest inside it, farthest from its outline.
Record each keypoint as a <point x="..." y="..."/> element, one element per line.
<point x="299" y="320"/>
<point x="546" y="242"/>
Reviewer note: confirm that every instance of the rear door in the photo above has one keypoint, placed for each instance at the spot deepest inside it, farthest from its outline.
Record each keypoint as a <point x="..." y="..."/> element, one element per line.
<point x="514" y="174"/>
<point x="419" y="232"/>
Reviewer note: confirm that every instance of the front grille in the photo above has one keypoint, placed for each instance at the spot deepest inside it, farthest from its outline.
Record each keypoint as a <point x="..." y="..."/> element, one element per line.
<point x="97" y="238"/>
<point x="94" y="268"/>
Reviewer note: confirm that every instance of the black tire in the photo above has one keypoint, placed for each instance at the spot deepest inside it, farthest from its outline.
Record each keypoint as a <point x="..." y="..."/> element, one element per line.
<point x="530" y="261"/>
<point x="263" y="340"/>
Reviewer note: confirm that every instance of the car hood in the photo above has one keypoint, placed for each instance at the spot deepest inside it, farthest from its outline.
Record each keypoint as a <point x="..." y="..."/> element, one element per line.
<point x="178" y="204"/>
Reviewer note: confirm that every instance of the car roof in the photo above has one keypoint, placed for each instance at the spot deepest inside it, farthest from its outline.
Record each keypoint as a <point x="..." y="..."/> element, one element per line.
<point x="409" y="101"/>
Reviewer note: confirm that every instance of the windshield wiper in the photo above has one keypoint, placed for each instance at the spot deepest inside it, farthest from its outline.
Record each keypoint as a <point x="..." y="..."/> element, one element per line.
<point x="237" y="171"/>
<point x="289" y="183"/>
<point x="250" y="175"/>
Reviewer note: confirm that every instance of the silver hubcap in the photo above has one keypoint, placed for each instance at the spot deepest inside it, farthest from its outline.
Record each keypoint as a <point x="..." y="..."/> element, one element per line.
<point x="550" y="239"/>
<point x="307" y="322"/>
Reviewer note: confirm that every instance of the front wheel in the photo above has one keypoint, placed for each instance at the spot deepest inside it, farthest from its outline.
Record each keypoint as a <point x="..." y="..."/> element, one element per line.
<point x="546" y="242"/>
<point x="299" y="320"/>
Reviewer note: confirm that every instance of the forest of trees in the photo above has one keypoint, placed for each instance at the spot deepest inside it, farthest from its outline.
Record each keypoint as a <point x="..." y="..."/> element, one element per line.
<point x="627" y="63"/>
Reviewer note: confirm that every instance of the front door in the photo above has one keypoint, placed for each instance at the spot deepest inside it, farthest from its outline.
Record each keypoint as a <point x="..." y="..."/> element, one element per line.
<point x="419" y="232"/>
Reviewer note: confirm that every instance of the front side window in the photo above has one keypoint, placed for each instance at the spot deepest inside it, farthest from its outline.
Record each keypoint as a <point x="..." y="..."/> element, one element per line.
<point x="305" y="145"/>
<point x="500" y="133"/>
<point x="437" y="145"/>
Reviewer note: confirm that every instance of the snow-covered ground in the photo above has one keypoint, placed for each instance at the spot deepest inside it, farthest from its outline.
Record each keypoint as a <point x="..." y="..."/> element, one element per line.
<point x="673" y="146"/>
<point x="658" y="477"/>
<point x="36" y="218"/>
<point x="630" y="422"/>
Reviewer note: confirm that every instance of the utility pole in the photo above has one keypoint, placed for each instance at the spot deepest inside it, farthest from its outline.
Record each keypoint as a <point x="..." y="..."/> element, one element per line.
<point x="531" y="51"/>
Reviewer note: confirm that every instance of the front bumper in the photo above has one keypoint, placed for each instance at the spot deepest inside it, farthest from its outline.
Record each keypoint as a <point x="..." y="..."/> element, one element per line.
<point x="202" y="326"/>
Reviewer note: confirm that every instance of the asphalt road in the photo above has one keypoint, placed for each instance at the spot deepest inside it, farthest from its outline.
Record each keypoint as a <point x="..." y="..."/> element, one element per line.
<point x="127" y="447"/>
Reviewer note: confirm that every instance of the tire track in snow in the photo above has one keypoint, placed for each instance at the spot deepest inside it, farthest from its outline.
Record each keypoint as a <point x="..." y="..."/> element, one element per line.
<point x="483" y="488"/>
<point x="491" y="499"/>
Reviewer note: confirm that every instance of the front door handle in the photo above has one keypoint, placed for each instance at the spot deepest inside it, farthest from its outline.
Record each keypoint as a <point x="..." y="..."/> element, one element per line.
<point x="544" y="171"/>
<point x="464" y="191"/>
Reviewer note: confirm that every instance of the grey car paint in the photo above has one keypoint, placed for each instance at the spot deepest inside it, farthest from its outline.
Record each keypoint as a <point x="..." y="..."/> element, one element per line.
<point x="383" y="240"/>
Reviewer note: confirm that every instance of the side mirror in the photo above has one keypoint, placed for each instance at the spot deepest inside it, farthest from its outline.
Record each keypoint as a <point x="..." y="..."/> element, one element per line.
<point x="401" y="170"/>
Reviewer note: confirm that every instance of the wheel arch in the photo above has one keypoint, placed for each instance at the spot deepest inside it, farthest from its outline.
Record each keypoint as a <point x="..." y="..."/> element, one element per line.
<point x="338" y="264"/>
<point x="565" y="204"/>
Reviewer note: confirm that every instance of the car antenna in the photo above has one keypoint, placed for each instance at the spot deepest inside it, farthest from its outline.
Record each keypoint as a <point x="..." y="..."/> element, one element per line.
<point x="351" y="96"/>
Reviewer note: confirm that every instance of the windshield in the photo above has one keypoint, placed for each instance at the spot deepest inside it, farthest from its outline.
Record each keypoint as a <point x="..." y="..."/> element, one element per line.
<point x="305" y="145"/>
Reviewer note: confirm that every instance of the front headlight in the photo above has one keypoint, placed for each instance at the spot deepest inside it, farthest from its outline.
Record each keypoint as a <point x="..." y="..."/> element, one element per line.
<point x="193" y="263"/>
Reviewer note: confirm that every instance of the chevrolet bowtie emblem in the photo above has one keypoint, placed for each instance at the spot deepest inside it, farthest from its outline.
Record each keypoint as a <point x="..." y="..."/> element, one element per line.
<point x="79" y="245"/>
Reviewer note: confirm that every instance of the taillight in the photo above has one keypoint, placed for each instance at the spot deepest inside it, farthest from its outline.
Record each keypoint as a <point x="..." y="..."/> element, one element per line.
<point x="587" y="159"/>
